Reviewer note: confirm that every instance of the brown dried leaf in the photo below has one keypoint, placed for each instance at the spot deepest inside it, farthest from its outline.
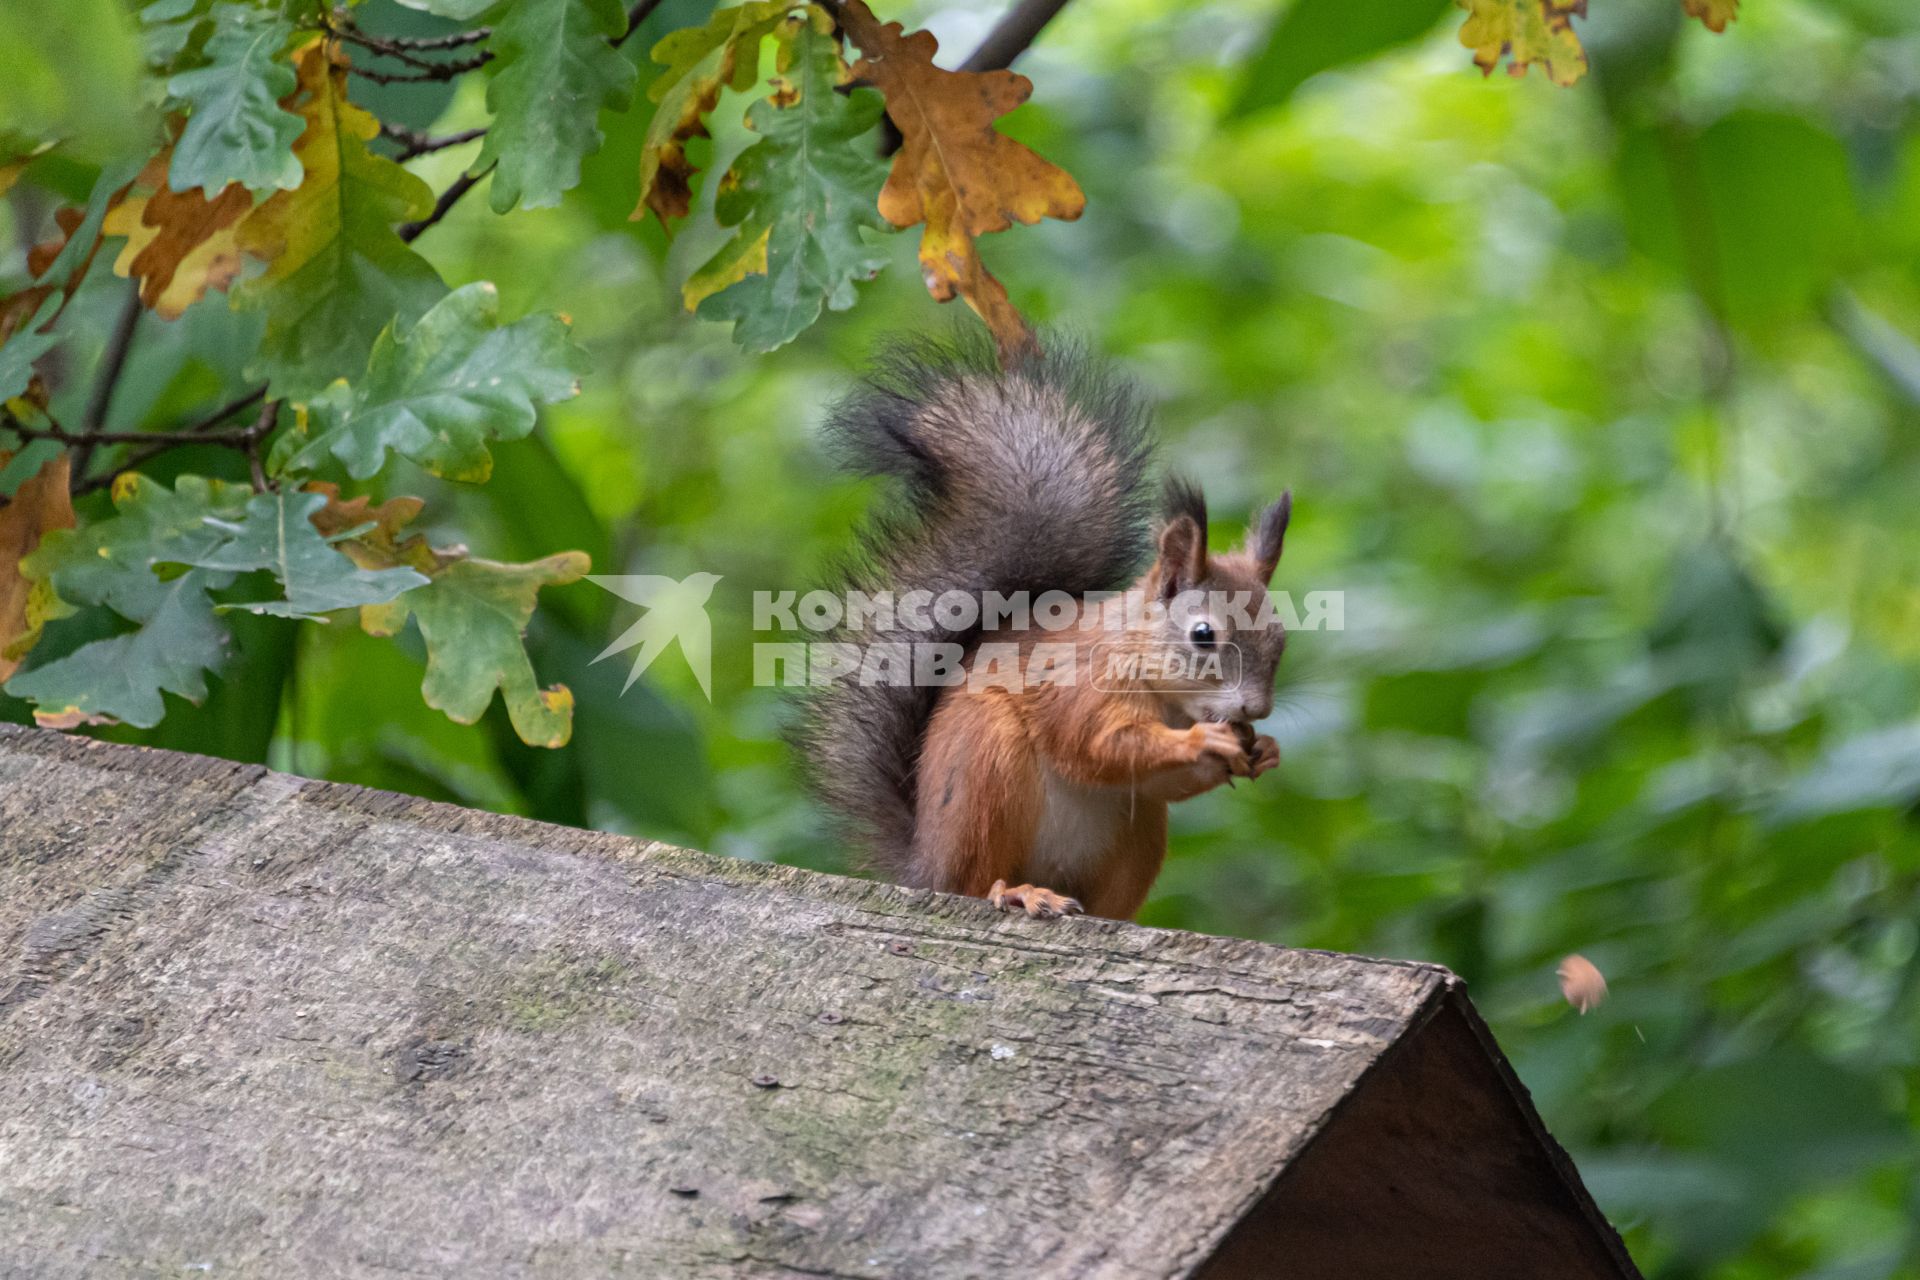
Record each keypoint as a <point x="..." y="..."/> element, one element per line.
<point x="1581" y="983"/>
<point x="179" y="243"/>
<point x="954" y="171"/>
<point x="1715" y="13"/>
<point x="39" y="504"/>
<point x="382" y="546"/>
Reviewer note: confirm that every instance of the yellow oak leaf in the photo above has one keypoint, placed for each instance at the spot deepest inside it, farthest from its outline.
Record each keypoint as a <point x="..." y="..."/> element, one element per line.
<point x="1526" y="32"/>
<point x="1715" y="13"/>
<point x="954" y="171"/>
<point x="40" y="503"/>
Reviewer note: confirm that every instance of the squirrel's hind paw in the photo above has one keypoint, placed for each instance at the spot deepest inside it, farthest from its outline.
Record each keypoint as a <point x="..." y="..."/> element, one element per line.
<point x="1041" y="904"/>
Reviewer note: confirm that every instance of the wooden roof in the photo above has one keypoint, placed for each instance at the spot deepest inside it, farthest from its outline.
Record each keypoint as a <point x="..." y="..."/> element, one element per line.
<point x="252" y="1024"/>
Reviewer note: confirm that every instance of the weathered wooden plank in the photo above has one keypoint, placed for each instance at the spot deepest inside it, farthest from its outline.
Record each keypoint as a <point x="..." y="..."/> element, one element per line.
<point x="274" y="1026"/>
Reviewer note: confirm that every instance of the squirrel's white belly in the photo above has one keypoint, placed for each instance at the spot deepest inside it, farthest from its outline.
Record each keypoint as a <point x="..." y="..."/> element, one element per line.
<point x="1078" y="828"/>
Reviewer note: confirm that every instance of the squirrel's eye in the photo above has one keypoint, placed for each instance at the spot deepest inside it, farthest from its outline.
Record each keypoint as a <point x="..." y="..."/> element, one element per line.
<point x="1202" y="634"/>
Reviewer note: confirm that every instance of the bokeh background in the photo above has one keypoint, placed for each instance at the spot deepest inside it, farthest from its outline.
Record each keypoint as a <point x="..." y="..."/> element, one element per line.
<point x="1602" y="407"/>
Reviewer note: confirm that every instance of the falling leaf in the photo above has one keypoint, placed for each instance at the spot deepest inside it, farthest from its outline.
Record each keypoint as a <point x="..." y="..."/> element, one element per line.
<point x="699" y="61"/>
<point x="954" y="171"/>
<point x="798" y="198"/>
<point x="337" y="272"/>
<point x="40" y="505"/>
<point x="1526" y="32"/>
<point x="440" y="390"/>
<point x="179" y="243"/>
<point x="1715" y="13"/>
<point x="554" y="73"/>
<point x="1581" y="983"/>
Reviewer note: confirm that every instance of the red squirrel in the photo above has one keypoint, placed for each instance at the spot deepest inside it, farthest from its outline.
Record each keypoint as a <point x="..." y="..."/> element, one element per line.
<point x="1047" y="794"/>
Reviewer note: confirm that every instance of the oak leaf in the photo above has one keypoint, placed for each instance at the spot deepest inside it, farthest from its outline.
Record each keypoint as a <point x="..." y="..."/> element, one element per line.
<point x="1716" y="14"/>
<point x="555" y="70"/>
<point x="118" y="562"/>
<point x="440" y="390"/>
<point x="239" y="128"/>
<point x="39" y="505"/>
<point x="473" y="613"/>
<point x="954" y="171"/>
<point x="179" y="243"/>
<point x="1526" y="32"/>
<point x="798" y="198"/>
<point x="337" y="271"/>
<point x="277" y="534"/>
<point x="699" y="62"/>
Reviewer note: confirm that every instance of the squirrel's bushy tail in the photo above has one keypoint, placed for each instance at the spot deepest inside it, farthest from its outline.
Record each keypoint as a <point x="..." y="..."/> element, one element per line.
<point x="1029" y="478"/>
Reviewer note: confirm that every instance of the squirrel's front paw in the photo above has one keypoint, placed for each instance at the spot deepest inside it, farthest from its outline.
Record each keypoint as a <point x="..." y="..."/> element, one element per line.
<point x="1222" y="740"/>
<point x="1264" y="756"/>
<point x="1041" y="904"/>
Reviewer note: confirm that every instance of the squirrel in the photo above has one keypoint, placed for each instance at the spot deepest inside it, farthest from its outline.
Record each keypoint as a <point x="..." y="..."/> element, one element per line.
<point x="1049" y="794"/>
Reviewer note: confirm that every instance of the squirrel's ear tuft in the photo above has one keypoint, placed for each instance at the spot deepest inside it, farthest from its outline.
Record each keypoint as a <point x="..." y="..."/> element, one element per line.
<point x="1269" y="534"/>
<point x="1182" y="497"/>
<point x="1183" y="556"/>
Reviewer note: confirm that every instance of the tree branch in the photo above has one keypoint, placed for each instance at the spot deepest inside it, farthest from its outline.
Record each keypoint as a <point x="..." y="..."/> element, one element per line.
<point x="195" y="432"/>
<point x="458" y="39"/>
<point x="119" y="343"/>
<point x="635" y="16"/>
<point x="415" y="143"/>
<point x="252" y="436"/>
<point x="436" y="70"/>
<point x="448" y="198"/>
<point x="1016" y="32"/>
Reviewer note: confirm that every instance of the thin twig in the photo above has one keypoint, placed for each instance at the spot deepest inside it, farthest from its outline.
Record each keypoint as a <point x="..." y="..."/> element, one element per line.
<point x="456" y="40"/>
<point x="438" y="71"/>
<point x="384" y="47"/>
<point x="1013" y="35"/>
<point x="635" y="16"/>
<point x="415" y="143"/>
<point x="119" y="343"/>
<point x="262" y="426"/>
<point x="448" y="198"/>
<point x="196" y="431"/>
<point x="54" y="431"/>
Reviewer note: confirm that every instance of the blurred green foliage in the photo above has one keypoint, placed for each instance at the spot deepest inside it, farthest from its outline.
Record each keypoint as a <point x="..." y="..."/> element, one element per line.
<point x="1601" y="406"/>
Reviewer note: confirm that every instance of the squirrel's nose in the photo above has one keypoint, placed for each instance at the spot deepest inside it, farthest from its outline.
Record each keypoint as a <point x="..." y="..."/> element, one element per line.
<point x="1256" y="708"/>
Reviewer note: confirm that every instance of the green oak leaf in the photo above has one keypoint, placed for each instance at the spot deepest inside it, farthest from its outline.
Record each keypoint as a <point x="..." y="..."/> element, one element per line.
<point x="473" y="617"/>
<point x="277" y="534"/>
<point x="170" y="28"/>
<point x="236" y="129"/>
<point x="457" y="379"/>
<point x="23" y="347"/>
<point x="337" y="273"/>
<point x="798" y="199"/>
<point x="113" y="562"/>
<point x="556" y="71"/>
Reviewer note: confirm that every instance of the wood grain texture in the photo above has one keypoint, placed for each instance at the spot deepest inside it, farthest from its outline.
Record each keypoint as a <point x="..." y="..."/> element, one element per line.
<point x="275" y="1026"/>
